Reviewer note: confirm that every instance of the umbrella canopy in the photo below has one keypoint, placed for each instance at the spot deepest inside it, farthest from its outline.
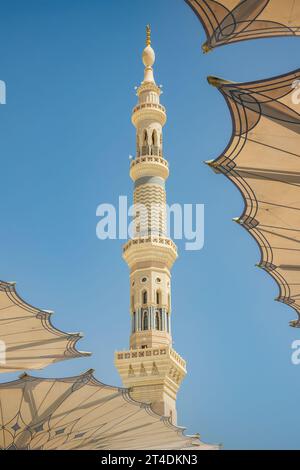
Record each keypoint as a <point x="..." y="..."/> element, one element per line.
<point x="263" y="161"/>
<point x="80" y="413"/>
<point x="227" y="21"/>
<point x="28" y="340"/>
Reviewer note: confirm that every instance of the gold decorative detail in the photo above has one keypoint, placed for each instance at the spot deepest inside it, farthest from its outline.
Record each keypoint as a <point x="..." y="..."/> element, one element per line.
<point x="206" y="48"/>
<point x="148" y="35"/>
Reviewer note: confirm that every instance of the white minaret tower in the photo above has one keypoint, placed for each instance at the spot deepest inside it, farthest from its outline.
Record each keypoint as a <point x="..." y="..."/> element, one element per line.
<point x="151" y="368"/>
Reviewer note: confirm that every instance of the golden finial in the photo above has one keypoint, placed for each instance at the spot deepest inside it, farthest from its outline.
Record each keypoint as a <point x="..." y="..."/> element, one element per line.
<point x="148" y="35"/>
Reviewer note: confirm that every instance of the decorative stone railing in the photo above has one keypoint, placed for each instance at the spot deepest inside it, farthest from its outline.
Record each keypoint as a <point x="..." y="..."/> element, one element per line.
<point x="143" y="240"/>
<point x="149" y="159"/>
<point x="150" y="352"/>
<point x="149" y="105"/>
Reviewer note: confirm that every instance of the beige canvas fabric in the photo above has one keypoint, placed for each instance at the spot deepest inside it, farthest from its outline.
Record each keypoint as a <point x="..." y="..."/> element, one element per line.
<point x="227" y="21"/>
<point x="28" y="340"/>
<point x="80" y="413"/>
<point x="263" y="161"/>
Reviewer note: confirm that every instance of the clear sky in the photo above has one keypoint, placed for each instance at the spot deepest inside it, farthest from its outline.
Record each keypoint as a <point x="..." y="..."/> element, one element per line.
<point x="70" y="67"/>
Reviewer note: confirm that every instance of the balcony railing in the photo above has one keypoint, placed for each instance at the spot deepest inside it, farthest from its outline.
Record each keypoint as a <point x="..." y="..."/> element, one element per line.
<point x="158" y="240"/>
<point x="149" y="159"/>
<point x="149" y="105"/>
<point x="150" y="352"/>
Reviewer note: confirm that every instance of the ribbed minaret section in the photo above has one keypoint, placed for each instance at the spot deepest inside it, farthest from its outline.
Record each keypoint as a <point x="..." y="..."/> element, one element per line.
<point x="151" y="367"/>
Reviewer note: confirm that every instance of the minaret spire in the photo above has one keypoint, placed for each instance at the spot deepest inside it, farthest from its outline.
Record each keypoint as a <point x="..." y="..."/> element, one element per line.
<point x="148" y="57"/>
<point x="151" y="368"/>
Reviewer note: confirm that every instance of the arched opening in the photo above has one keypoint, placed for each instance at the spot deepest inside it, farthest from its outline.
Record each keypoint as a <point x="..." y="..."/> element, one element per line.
<point x="133" y="322"/>
<point x="154" y="137"/>
<point x="144" y="297"/>
<point x="145" y="143"/>
<point x="154" y="142"/>
<point x="157" y="321"/>
<point x="145" y="321"/>
<point x="145" y="139"/>
<point x="168" y="322"/>
<point x="158" y="297"/>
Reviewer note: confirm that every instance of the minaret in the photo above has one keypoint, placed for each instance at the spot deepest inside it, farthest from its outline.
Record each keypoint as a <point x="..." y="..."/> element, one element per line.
<point x="151" y="368"/>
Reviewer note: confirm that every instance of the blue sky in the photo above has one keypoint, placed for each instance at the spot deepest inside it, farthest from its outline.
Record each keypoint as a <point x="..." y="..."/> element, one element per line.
<point x="70" y="67"/>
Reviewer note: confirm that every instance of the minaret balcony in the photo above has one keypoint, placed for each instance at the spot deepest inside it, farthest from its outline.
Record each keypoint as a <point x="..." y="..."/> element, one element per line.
<point x="148" y="86"/>
<point x="154" y="249"/>
<point x="151" y="374"/>
<point x="152" y="353"/>
<point x="149" y="165"/>
<point x="152" y="111"/>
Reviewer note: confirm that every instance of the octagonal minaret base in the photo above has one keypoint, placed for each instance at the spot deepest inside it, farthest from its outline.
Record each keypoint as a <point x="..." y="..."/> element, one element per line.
<point x="154" y="376"/>
<point x="151" y="368"/>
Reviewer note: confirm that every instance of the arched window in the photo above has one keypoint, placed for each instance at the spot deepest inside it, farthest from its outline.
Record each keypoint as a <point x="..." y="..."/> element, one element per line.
<point x="168" y="322"/>
<point x="145" y="321"/>
<point x="144" y="297"/>
<point x="154" y="142"/>
<point x="133" y="322"/>
<point x="157" y="323"/>
<point x="158" y="297"/>
<point x="145" y="137"/>
<point x="154" y="137"/>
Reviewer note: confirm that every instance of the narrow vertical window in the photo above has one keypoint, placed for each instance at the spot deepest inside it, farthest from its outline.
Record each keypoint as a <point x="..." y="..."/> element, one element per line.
<point x="144" y="297"/>
<point x="154" y="141"/>
<point x="157" y="326"/>
<point x="145" y="321"/>
<point x="145" y="138"/>
<point x="154" y="137"/>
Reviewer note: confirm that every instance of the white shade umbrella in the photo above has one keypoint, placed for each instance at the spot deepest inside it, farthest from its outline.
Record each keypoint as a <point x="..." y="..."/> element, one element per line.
<point x="28" y="340"/>
<point x="228" y="21"/>
<point x="263" y="161"/>
<point x="80" y="413"/>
